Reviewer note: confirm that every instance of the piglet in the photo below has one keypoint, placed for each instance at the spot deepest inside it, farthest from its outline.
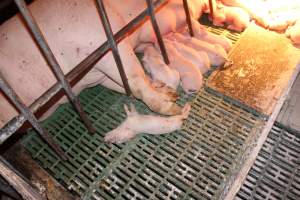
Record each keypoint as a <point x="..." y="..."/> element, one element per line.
<point x="159" y="71"/>
<point x="236" y="18"/>
<point x="190" y="75"/>
<point x="293" y="32"/>
<point x="201" y="33"/>
<point x="136" y="123"/>
<point x="216" y="53"/>
<point x="198" y="58"/>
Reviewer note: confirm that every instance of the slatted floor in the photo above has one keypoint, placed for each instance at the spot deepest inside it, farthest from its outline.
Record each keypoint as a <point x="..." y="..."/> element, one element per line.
<point x="276" y="171"/>
<point x="193" y="163"/>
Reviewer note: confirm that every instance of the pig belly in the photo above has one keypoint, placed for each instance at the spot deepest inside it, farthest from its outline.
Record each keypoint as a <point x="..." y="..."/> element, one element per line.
<point x="73" y="30"/>
<point x="62" y="24"/>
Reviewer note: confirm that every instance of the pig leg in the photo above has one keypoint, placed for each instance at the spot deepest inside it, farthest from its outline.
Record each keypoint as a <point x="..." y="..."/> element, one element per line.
<point x="217" y="55"/>
<point x="184" y="67"/>
<point x="159" y="71"/>
<point x="138" y="81"/>
<point x="204" y="35"/>
<point x="136" y="123"/>
<point x="162" y="87"/>
<point x="200" y="59"/>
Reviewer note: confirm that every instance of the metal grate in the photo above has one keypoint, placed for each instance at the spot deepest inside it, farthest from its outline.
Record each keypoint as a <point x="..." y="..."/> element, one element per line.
<point x="193" y="163"/>
<point x="276" y="171"/>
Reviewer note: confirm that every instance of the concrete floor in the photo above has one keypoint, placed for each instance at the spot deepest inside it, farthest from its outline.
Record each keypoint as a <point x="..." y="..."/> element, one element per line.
<point x="290" y="112"/>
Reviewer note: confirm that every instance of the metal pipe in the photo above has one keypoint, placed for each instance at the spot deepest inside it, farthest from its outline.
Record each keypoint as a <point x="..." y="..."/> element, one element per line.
<point x="51" y="60"/>
<point x="9" y="92"/>
<point x="211" y="8"/>
<point x="157" y="31"/>
<point x="188" y="17"/>
<point x="83" y="67"/>
<point x="112" y="44"/>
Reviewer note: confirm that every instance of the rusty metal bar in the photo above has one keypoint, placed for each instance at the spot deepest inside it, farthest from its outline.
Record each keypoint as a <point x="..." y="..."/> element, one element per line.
<point x="83" y="67"/>
<point x="112" y="44"/>
<point x="18" y="182"/>
<point x="157" y="31"/>
<point x="188" y="17"/>
<point x="51" y="60"/>
<point x="9" y="92"/>
<point x="211" y="8"/>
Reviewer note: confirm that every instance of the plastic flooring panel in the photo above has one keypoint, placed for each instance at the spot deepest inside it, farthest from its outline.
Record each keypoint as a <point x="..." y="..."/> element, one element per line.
<point x="276" y="171"/>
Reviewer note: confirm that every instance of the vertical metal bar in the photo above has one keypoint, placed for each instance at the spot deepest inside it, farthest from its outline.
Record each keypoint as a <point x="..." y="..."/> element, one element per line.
<point x="211" y="8"/>
<point x="157" y="31"/>
<point x="9" y="92"/>
<point x="46" y="51"/>
<point x="188" y="17"/>
<point x="113" y="44"/>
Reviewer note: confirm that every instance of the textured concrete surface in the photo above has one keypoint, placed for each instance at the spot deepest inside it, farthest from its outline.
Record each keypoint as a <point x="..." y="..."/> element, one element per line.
<point x="263" y="65"/>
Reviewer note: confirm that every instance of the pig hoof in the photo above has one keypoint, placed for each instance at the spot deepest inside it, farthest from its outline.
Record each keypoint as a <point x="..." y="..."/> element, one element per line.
<point x="119" y="136"/>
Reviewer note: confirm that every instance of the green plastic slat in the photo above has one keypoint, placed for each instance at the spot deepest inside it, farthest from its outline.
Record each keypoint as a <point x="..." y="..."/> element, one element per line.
<point x="194" y="162"/>
<point x="276" y="171"/>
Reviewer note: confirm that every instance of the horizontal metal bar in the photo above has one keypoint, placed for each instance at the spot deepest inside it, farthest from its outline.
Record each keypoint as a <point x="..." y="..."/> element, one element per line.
<point x="188" y="17"/>
<point x="9" y="92"/>
<point x="112" y="44"/>
<point x="157" y="31"/>
<point x="83" y="67"/>
<point x="51" y="60"/>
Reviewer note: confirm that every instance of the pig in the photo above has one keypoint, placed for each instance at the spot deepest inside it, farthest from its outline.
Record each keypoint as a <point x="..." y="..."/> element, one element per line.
<point x="202" y="34"/>
<point x="274" y="15"/>
<point x="136" y="123"/>
<point x="293" y="32"/>
<point x="198" y="58"/>
<point x="154" y="64"/>
<point x="216" y="53"/>
<point x="190" y="75"/>
<point x="236" y="18"/>
<point x="170" y="18"/>
<point x="73" y="30"/>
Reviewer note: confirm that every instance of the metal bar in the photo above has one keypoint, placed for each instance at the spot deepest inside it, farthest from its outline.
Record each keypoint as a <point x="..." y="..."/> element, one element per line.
<point x="50" y="58"/>
<point x="9" y="92"/>
<point x="83" y="67"/>
<point x="188" y="17"/>
<point x="211" y="8"/>
<point x="20" y="185"/>
<point x="157" y="31"/>
<point x="112" y="44"/>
